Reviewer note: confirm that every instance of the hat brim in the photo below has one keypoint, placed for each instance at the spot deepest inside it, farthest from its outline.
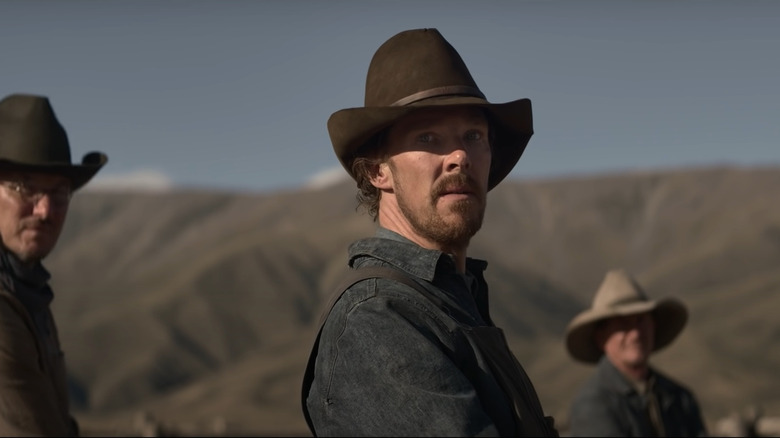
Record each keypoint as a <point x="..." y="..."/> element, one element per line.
<point x="350" y="129"/>
<point x="670" y="317"/>
<point x="78" y="174"/>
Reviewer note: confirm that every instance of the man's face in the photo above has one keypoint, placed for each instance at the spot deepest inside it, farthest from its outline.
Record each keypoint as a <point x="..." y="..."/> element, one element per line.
<point x="439" y="164"/>
<point x="33" y="207"/>
<point x="628" y="340"/>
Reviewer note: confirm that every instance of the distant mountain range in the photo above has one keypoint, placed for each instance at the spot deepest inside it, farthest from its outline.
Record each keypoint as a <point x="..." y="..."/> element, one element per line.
<point x="197" y="307"/>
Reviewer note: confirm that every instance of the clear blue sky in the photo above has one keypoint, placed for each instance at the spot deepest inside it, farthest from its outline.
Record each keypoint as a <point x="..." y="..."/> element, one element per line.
<point x="236" y="94"/>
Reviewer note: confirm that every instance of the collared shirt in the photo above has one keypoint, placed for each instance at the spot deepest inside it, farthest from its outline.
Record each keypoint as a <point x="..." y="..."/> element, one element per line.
<point x="645" y="388"/>
<point x="609" y="404"/>
<point x="391" y="362"/>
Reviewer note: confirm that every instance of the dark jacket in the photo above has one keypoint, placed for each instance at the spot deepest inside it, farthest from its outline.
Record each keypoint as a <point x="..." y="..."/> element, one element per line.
<point x="391" y="362"/>
<point x="33" y="385"/>
<point x="609" y="405"/>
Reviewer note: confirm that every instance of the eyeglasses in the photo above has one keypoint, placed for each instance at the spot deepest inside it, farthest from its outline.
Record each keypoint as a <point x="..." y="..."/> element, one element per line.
<point x="59" y="195"/>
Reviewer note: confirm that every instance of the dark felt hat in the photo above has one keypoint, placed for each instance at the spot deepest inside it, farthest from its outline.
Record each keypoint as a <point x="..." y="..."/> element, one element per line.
<point x="417" y="69"/>
<point x="32" y="139"/>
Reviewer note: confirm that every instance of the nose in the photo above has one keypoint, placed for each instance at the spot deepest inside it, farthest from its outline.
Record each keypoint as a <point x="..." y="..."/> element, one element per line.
<point x="44" y="205"/>
<point x="634" y="331"/>
<point x="458" y="159"/>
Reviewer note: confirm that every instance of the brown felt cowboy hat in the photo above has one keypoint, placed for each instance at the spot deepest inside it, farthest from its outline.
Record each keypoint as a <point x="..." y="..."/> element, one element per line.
<point x="620" y="295"/>
<point x="33" y="140"/>
<point x="417" y="69"/>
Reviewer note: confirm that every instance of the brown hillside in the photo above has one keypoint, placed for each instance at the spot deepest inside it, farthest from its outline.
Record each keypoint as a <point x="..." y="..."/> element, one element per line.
<point x="197" y="306"/>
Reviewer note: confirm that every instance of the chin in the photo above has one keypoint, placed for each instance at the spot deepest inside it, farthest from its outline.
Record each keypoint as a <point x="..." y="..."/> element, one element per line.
<point x="637" y="360"/>
<point x="34" y="254"/>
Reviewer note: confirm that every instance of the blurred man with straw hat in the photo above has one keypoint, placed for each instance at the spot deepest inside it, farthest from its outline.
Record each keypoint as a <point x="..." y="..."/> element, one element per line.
<point x="37" y="180"/>
<point x="407" y="346"/>
<point x="626" y="396"/>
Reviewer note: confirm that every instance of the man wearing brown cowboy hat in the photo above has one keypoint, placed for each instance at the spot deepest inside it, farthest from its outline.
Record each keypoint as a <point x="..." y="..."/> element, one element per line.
<point x="626" y="396"/>
<point x="37" y="180"/>
<point x="407" y="345"/>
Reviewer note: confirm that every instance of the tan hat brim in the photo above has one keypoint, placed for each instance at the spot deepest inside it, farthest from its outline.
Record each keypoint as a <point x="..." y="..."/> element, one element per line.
<point x="670" y="318"/>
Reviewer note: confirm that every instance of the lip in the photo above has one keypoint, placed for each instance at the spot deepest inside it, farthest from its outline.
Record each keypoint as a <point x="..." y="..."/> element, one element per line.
<point x="457" y="191"/>
<point x="456" y="195"/>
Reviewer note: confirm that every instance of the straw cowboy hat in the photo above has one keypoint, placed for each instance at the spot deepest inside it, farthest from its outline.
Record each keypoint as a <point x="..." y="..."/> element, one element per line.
<point x="417" y="69"/>
<point x="32" y="139"/>
<point x="620" y="295"/>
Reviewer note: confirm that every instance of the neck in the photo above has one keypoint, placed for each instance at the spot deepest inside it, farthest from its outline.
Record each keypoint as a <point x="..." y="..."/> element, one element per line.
<point x="634" y="372"/>
<point x="398" y="224"/>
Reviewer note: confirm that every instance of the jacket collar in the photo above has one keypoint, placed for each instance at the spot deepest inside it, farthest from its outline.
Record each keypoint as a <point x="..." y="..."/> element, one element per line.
<point x="429" y="265"/>
<point x="613" y="378"/>
<point x="407" y="256"/>
<point x="29" y="283"/>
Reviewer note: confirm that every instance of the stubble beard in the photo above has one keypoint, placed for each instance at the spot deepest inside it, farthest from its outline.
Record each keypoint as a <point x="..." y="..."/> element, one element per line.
<point x="465" y="220"/>
<point x="34" y="250"/>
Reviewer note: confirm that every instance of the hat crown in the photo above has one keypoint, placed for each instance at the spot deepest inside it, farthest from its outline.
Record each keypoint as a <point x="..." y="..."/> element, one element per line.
<point x="30" y="132"/>
<point x="618" y="288"/>
<point x="414" y="65"/>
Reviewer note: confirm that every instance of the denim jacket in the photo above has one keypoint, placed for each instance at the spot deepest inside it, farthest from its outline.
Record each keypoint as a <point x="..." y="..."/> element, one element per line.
<point x="609" y="405"/>
<point x="391" y="362"/>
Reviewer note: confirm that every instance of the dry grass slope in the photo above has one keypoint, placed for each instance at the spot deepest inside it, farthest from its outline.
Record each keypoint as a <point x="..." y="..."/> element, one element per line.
<point x="197" y="306"/>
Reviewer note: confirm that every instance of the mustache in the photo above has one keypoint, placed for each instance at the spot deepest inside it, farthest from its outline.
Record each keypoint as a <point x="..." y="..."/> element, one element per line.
<point x="32" y="223"/>
<point x="457" y="181"/>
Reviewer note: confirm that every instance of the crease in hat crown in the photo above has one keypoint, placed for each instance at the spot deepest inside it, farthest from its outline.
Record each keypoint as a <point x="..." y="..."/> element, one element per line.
<point x="619" y="289"/>
<point x="416" y="65"/>
<point x="32" y="139"/>
<point x="415" y="69"/>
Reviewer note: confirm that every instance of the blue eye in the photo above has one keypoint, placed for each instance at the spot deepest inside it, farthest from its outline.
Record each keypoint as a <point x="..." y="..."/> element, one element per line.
<point x="474" y="135"/>
<point x="425" y="138"/>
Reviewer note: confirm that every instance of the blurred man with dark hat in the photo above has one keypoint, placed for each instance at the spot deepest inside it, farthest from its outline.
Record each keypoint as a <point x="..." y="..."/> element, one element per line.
<point x="37" y="180"/>
<point x="407" y="345"/>
<point x="626" y="396"/>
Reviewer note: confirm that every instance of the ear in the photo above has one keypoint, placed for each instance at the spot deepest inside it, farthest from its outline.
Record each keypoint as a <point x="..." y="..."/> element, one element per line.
<point x="383" y="177"/>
